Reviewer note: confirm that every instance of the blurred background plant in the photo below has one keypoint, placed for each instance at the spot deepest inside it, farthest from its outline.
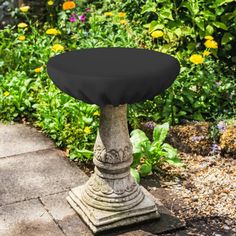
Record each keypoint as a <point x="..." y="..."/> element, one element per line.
<point x="201" y="34"/>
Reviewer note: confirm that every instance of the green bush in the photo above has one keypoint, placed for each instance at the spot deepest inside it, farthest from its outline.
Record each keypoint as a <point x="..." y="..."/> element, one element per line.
<point x="148" y="155"/>
<point x="204" y="90"/>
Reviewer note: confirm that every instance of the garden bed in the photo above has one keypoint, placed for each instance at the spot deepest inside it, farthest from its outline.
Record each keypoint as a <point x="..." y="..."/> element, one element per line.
<point x="203" y="194"/>
<point x="201" y="138"/>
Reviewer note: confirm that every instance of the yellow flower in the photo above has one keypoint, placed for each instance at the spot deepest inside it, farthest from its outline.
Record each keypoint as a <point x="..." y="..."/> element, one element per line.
<point x="6" y="93"/>
<point x="157" y="34"/>
<point x="68" y="5"/>
<point x="108" y="13"/>
<point x="50" y="3"/>
<point x="21" y="37"/>
<point x="22" y="25"/>
<point x="57" y="47"/>
<point x="53" y="31"/>
<point x="196" y="59"/>
<point x="206" y="53"/>
<point x="87" y="130"/>
<point x="209" y="37"/>
<point x="123" y="22"/>
<point x="121" y="14"/>
<point x="38" y="70"/>
<point x="211" y="44"/>
<point x="24" y="9"/>
<point x="96" y="113"/>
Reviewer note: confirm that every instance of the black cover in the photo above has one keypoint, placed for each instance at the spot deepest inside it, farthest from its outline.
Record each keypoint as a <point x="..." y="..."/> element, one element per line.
<point x="113" y="75"/>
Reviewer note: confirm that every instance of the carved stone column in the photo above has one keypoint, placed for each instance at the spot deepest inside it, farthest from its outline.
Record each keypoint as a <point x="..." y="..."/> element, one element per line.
<point x="111" y="198"/>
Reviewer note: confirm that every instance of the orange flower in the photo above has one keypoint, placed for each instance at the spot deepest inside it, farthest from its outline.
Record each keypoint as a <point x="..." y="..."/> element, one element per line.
<point x="68" y="5"/>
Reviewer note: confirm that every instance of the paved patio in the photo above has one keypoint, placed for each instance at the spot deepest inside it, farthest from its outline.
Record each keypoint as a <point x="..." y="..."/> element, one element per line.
<point x="35" y="178"/>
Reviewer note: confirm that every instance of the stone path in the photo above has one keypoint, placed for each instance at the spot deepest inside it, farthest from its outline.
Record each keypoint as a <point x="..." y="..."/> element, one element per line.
<point x="35" y="178"/>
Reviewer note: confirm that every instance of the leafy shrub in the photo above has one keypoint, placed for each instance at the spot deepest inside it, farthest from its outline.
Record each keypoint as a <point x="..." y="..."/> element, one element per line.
<point x="148" y="155"/>
<point x="203" y="91"/>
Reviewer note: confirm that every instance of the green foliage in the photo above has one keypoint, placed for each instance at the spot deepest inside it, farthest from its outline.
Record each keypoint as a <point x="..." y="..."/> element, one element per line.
<point x="135" y="175"/>
<point x="186" y="22"/>
<point x="66" y="121"/>
<point x="201" y="91"/>
<point x="149" y="154"/>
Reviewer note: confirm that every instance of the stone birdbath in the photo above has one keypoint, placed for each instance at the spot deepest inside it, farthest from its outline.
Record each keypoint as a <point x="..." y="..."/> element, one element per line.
<point x="112" y="78"/>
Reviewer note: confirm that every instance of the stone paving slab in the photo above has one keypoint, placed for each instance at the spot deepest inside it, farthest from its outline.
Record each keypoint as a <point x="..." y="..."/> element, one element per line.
<point x="36" y="174"/>
<point x="19" y="138"/>
<point x="35" y="179"/>
<point x="72" y="225"/>
<point x="64" y="215"/>
<point x="27" y="218"/>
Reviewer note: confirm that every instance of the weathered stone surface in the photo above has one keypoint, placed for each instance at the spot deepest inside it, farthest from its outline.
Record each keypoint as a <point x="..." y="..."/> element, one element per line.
<point x="18" y="138"/>
<point x="72" y="224"/>
<point x="37" y="174"/>
<point x="111" y="198"/>
<point x="27" y="218"/>
<point x="65" y="216"/>
<point x="43" y="174"/>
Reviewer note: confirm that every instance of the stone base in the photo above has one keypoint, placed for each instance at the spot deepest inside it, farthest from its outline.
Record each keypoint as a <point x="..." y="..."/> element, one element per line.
<point x="100" y="220"/>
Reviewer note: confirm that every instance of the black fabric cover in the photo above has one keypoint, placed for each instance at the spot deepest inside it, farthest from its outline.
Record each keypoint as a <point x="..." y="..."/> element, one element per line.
<point x="113" y="75"/>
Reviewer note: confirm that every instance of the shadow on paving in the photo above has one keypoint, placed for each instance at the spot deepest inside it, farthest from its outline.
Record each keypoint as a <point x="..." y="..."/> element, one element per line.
<point x="33" y="228"/>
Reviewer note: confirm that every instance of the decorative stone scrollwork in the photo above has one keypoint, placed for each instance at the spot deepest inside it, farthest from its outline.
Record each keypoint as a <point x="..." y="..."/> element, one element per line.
<point x="112" y="187"/>
<point x="112" y="155"/>
<point x="120" y="186"/>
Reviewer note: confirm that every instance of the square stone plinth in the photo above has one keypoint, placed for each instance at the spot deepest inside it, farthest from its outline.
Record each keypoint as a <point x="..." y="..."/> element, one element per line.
<point x="100" y="220"/>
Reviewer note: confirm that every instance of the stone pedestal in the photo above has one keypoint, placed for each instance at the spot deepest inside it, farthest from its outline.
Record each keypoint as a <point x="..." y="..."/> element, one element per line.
<point x="111" y="198"/>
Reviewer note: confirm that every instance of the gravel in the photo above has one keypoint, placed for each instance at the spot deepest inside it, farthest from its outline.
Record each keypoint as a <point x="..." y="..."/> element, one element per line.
<point x="204" y="194"/>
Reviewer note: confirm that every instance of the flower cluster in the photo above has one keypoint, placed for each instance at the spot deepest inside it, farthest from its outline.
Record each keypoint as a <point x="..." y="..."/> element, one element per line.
<point x="38" y="70"/>
<point x="157" y="34"/>
<point x="87" y="130"/>
<point x="68" y="5"/>
<point x="50" y="3"/>
<point x="57" y="47"/>
<point x="221" y="126"/>
<point x="210" y="42"/>
<point x="215" y="149"/>
<point x="196" y="59"/>
<point x="22" y="25"/>
<point x="24" y="9"/>
<point x="53" y="31"/>
<point x="21" y="38"/>
<point x="121" y="15"/>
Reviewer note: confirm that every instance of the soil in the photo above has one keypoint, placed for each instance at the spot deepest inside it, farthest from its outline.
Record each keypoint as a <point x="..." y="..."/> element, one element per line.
<point x="203" y="194"/>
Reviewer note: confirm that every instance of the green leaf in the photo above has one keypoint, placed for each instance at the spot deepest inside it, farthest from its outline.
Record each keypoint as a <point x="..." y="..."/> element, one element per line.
<point x="165" y="13"/>
<point x="221" y="2"/>
<point x="170" y="151"/>
<point x="160" y="132"/>
<point x="84" y="152"/>
<point x="149" y="7"/>
<point x="136" y="159"/>
<point x="145" y="169"/>
<point x="198" y="116"/>
<point x="192" y="7"/>
<point x="175" y="162"/>
<point x="209" y="30"/>
<point x="138" y="137"/>
<point x="154" y="25"/>
<point x="227" y="37"/>
<point x="220" y="25"/>
<point x="134" y="173"/>
<point x="200" y="23"/>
